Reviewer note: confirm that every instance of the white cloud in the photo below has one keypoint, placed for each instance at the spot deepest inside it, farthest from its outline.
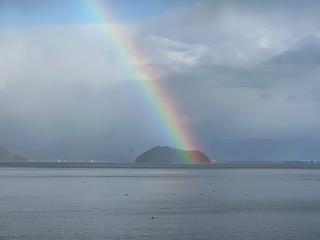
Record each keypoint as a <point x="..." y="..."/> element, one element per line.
<point x="65" y="54"/>
<point x="264" y="43"/>
<point x="235" y="34"/>
<point x="174" y="55"/>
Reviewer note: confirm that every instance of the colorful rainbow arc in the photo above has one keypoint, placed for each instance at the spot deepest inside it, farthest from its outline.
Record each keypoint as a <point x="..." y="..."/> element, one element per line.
<point x="154" y="92"/>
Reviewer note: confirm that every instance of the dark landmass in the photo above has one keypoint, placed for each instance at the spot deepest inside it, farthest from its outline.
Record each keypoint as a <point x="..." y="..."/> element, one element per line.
<point x="235" y="150"/>
<point x="249" y="149"/>
<point x="168" y="155"/>
<point x="8" y="156"/>
<point x="272" y="150"/>
<point x="214" y="165"/>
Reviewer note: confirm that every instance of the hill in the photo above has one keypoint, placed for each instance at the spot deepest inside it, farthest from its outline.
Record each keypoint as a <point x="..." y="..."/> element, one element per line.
<point x="167" y="155"/>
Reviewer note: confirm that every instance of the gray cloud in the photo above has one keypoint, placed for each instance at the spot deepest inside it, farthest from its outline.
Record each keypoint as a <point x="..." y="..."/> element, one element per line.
<point x="237" y="69"/>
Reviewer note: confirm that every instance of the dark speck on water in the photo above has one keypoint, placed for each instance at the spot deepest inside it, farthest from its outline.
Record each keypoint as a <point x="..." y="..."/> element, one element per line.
<point x="51" y="203"/>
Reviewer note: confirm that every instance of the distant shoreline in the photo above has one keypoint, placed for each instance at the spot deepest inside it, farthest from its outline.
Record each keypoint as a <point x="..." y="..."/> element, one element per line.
<point x="216" y="165"/>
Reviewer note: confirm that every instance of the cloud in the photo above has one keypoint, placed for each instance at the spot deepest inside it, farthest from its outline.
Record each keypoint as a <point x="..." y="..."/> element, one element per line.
<point x="239" y="32"/>
<point x="250" y="51"/>
<point x="304" y="53"/>
<point x="64" y="54"/>
<point x="236" y="70"/>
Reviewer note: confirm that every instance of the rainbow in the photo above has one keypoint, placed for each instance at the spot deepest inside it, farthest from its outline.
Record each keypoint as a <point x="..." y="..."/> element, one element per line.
<point x="156" y="95"/>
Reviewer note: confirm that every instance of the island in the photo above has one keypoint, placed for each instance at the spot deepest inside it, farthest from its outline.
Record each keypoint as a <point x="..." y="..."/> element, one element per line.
<point x="168" y="155"/>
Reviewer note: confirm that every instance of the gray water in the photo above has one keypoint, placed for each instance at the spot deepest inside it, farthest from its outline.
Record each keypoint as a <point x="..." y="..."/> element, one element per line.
<point x="49" y="203"/>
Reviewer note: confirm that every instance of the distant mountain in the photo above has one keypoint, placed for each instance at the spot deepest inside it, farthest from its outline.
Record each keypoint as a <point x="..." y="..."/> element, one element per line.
<point x="167" y="155"/>
<point x="6" y="155"/>
<point x="253" y="149"/>
<point x="242" y="149"/>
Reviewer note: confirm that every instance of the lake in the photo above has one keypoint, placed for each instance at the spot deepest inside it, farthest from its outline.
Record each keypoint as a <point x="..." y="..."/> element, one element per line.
<point x="106" y="203"/>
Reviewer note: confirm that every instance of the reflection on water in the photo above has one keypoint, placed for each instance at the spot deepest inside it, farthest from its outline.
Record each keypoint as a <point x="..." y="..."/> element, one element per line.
<point x="159" y="204"/>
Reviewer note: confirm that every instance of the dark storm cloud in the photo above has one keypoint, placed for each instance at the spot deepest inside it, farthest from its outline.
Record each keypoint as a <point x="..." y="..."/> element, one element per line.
<point x="304" y="53"/>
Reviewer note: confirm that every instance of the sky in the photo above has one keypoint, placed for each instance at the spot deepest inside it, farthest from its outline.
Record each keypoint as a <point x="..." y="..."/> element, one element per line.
<point x="41" y="13"/>
<point x="236" y="70"/>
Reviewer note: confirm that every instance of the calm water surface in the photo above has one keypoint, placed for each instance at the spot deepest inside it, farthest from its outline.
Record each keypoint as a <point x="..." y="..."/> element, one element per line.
<point x="48" y="203"/>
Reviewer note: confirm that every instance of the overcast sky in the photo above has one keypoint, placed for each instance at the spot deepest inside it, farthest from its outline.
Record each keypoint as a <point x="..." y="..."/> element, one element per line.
<point x="237" y="69"/>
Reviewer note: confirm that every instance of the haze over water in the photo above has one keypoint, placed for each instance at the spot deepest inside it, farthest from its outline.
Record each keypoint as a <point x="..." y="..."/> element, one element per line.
<point x="49" y="203"/>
